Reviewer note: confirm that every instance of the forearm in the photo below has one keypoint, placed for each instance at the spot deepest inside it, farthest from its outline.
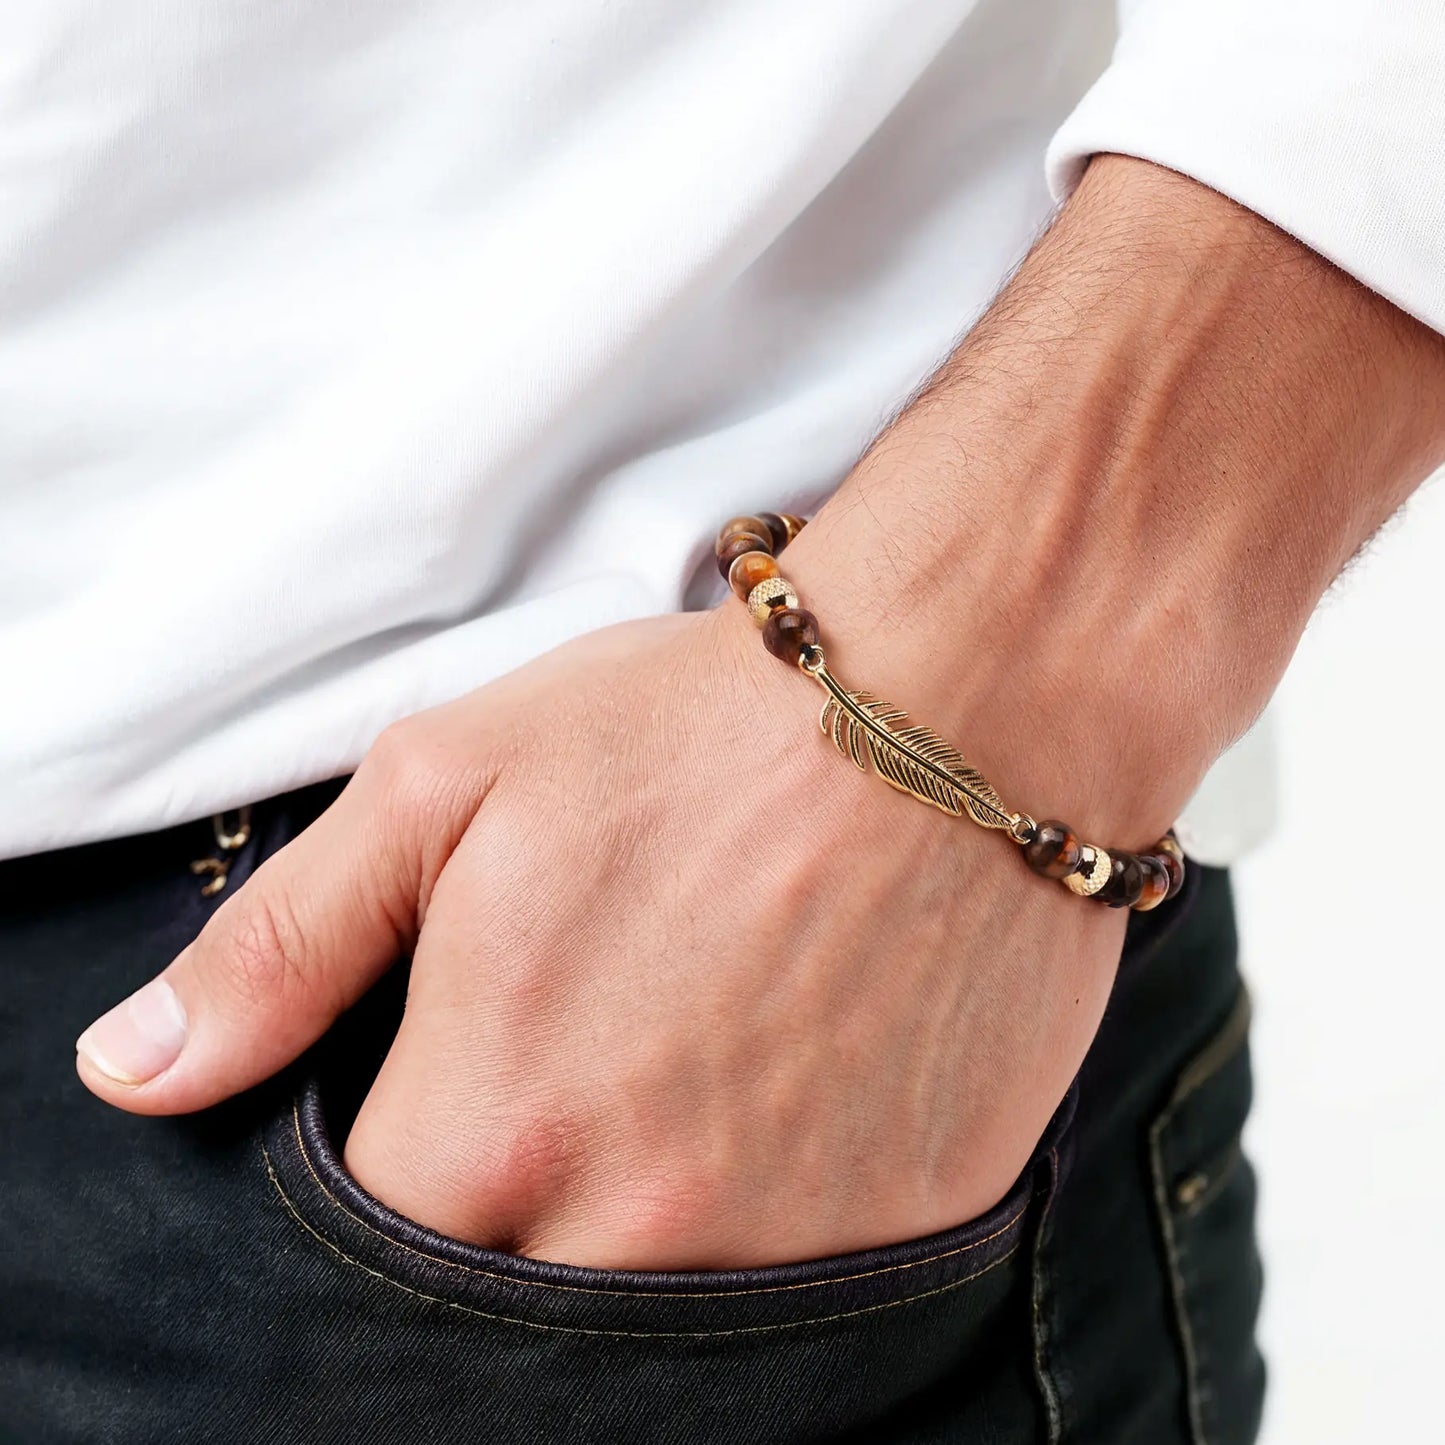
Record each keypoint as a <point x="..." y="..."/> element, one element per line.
<point x="1090" y="547"/>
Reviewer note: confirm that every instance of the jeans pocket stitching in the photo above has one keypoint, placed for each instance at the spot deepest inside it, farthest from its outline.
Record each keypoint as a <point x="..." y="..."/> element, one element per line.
<point x="516" y="1281"/>
<point x="1040" y="1298"/>
<point x="1216" y="1175"/>
<point x="341" y="1254"/>
<point x="1205" y="1066"/>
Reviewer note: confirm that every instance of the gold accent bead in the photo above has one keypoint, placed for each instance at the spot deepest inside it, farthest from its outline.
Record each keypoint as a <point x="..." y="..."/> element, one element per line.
<point x="1093" y="872"/>
<point x="768" y="595"/>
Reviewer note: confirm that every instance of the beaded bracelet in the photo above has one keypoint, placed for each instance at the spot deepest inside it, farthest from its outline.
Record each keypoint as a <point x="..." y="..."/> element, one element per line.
<point x="913" y="758"/>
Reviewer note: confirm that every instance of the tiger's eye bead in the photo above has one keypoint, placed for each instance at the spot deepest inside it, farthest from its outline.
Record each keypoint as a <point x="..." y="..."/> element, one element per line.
<point x="1125" y="882"/>
<point x="750" y="569"/>
<point x="1156" y="884"/>
<point x="788" y="631"/>
<point x="1174" y="867"/>
<point x="777" y="528"/>
<point x="734" y="525"/>
<point x="793" y="524"/>
<point x="738" y="545"/>
<point x="1053" y="851"/>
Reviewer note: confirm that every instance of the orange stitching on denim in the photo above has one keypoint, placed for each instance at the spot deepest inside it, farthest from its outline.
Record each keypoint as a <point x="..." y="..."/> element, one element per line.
<point x="617" y="1334"/>
<point x="631" y="1293"/>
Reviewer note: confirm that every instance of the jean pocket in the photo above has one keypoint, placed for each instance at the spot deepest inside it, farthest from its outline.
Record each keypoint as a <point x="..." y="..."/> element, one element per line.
<point x="879" y="1344"/>
<point x="1204" y="1190"/>
<point x="311" y="1181"/>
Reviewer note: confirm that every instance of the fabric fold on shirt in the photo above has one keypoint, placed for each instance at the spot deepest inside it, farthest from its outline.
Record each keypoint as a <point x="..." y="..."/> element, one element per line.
<point x="1326" y="118"/>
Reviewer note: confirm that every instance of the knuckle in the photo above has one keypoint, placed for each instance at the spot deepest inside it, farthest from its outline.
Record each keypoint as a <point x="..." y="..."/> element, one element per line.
<point x="685" y="1216"/>
<point x="415" y="768"/>
<point x="402" y="755"/>
<point x="533" y="1159"/>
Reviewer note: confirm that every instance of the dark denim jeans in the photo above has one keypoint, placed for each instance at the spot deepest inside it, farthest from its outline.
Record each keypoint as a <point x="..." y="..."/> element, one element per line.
<point x="220" y="1278"/>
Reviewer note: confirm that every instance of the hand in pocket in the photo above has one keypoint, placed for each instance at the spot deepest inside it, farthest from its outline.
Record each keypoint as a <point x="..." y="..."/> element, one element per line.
<point x="687" y="991"/>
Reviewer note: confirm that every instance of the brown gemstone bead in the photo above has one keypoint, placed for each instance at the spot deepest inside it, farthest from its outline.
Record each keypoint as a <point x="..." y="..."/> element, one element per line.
<point x="1175" y="869"/>
<point x="777" y="528"/>
<point x="1126" y="882"/>
<point x="755" y="526"/>
<point x="750" y="569"/>
<point x="1053" y="851"/>
<point x="793" y="524"/>
<point x="788" y="631"/>
<point x="1156" y="883"/>
<point x="737" y="546"/>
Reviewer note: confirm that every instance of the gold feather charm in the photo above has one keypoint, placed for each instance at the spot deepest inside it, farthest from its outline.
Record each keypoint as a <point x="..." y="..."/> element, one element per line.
<point x="913" y="759"/>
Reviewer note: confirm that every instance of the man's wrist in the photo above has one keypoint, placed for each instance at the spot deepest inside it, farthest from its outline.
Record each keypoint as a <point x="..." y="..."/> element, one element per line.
<point x="1093" y="542"/>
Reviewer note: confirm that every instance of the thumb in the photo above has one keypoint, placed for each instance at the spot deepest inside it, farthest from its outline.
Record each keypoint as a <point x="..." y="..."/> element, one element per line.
<point x="305" y="937"/>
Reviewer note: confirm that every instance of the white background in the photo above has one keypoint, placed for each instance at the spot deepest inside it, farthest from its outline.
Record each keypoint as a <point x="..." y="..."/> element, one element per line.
<point x="1342" y="919"/>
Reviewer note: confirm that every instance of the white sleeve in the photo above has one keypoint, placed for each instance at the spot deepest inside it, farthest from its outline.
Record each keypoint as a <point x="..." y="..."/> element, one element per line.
<point x="1327" y="117"/>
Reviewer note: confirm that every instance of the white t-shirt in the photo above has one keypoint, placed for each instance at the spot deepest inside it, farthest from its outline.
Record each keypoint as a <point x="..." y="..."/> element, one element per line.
<point x="351" y="354"/>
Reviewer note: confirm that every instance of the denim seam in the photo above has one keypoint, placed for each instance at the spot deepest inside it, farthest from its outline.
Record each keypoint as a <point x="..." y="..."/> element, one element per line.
<point x="611" y="1334"/>
<point x="1206" y="1065"/>
<point x="1043" y="1373"/>
<point x="1200" y="1320"/>
<point x="622" y="1292"/>
<point x="1176" y="1281"/>
<point x="1218" y="1178"/>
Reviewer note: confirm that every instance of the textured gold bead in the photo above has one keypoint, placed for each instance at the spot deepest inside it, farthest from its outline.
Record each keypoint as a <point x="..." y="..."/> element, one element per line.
<point x="770" y="593"/>
<point x="1093" y="872"/>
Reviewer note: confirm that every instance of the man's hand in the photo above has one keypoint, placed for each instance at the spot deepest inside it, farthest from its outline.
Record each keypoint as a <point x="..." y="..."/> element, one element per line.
<point x="689" y="991"/>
